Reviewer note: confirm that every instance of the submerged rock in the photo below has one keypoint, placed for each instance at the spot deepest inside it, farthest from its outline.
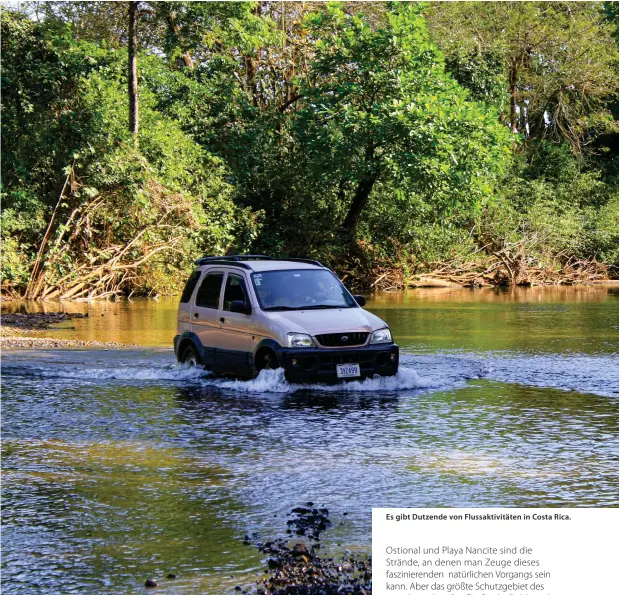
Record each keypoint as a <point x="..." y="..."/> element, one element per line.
<point x="298" y="570"/>
<point x="309" y="521"/>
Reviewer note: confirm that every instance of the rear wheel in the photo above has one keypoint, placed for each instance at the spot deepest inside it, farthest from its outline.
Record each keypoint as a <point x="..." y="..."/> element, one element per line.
<point x="266" y="360"/>
<point x="190" y="357"/>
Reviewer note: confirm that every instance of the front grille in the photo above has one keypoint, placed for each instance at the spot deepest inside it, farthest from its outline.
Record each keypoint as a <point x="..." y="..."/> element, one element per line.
<point x="342" y="339"/>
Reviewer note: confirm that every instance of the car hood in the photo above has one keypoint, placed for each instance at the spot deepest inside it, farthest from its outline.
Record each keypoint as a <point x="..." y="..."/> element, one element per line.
<point x="316" y="322"/>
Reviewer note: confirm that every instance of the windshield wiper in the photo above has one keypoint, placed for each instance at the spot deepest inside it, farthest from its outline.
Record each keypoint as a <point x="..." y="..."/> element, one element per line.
<point x="323" y="307"/>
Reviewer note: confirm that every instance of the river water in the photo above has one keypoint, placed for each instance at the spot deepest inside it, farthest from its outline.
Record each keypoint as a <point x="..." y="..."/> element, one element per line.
<point x="119" y="465"/>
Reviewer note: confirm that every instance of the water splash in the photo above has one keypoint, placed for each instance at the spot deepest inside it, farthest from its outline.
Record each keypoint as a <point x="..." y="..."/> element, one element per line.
<point x="151" y="370"/>
<point x="274" y="381"/>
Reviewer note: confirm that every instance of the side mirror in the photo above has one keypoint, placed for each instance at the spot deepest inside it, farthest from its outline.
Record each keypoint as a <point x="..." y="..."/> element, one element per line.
<point x="240" y="307"/>
<point x="359" y="299"/>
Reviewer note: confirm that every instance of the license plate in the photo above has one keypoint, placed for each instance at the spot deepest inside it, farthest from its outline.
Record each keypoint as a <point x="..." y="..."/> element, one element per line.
<point x="348" y="370"/>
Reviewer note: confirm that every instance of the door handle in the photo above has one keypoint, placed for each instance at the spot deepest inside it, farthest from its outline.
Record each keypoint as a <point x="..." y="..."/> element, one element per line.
<point x="222" y="320"/>
<point x="195" y="315"/>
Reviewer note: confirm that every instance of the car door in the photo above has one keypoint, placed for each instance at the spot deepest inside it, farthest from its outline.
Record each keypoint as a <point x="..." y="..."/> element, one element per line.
<point x="205" y="313"/>
<point x="235" y="337"/>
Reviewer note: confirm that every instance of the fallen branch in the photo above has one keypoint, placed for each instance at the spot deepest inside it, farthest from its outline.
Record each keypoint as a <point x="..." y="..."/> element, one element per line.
<point x="36" y="277"/>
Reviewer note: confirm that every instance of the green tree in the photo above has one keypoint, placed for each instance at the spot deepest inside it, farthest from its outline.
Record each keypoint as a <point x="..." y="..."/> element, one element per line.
<point x="347" y="131"/>
<point x="383" y="108"/>
<point x="376" y="108"/>
<point x="109" y="218"/>
<point x="558" y="61"/>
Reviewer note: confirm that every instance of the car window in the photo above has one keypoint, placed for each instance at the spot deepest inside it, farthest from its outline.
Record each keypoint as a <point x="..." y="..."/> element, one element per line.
<point x="208" y="294"/>
<point x="190" y="286"/>
<point x="235" y="290"/>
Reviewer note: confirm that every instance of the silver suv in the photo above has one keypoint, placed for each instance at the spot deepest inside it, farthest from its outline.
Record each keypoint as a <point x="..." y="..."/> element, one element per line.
<point x="242" y="314"/>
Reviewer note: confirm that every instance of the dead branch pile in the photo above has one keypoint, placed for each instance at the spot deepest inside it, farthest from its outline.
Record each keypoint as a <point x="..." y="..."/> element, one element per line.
<point x="387" y="279"/>
<point x="102" y="244"/>
<point x="493" y="264"/>
<point x="502" y="272"/>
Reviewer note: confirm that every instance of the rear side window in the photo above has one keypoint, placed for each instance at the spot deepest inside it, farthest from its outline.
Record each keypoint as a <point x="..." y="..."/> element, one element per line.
<point x="208" y="294"/>
<point x="190" y="286"/>
<point x="235" y="291"/>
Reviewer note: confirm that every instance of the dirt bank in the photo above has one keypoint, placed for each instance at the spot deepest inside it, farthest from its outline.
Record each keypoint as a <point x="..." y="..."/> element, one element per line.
<point x="24" y="342"/>
<point x="19" y="331"/>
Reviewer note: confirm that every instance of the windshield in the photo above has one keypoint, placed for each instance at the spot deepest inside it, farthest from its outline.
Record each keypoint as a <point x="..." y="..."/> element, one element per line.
<point x="304" y="289"/>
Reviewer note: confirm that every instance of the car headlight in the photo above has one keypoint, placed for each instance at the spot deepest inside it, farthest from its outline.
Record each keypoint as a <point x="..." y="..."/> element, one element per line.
<point x="299" y="340"/>
<point x="382" y="335"/>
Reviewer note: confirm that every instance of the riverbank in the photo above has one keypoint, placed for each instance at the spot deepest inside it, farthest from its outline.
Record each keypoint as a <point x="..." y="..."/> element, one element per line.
<point x="504" y="270"/>
<point x="446" y="275"/>
<point x="20" y="330"/>
<point x="15" y="342"/>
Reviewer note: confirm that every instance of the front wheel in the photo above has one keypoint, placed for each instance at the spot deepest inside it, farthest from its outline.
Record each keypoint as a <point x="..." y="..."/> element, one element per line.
<point x="266" y="360"/>
<point x="190" y="357"/>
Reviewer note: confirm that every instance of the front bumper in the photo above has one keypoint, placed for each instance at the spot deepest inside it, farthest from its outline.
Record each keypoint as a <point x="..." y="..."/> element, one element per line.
<point x="319" y="365"/>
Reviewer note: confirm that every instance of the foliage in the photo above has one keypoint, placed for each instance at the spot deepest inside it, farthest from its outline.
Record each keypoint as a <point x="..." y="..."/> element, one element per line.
<point x="368" y="135"/>
<point x="372" y="119"/>
<point x="555" y="209"/>
<point x="558" y="62"/>
<point x="147" y="211"/>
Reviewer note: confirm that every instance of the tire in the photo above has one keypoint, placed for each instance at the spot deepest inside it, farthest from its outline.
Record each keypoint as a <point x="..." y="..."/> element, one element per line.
<point x="190" y="357"/>
<point x="267" y="360"/>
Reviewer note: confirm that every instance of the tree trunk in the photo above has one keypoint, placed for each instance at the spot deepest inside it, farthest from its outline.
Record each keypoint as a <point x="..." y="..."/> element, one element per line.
<point x="513" y="79"/>
<point x="133" y="70"/>
<point x="364" y="188"/>
<point x="250" y="66"/>
<point x="362" y="195"/>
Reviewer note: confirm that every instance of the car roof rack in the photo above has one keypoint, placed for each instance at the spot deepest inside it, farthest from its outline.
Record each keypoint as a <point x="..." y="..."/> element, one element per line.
<point x="231" y="260"/>
<point x="235" y="260"/>
<point x="237" y="257"/>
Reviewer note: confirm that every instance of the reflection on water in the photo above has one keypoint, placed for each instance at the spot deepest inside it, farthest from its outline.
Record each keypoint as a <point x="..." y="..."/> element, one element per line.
<point x="545" y="319"/>
<point x="119" y="465"/>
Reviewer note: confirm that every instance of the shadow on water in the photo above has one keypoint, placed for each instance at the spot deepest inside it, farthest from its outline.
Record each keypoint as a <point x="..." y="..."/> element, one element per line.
<point x="303" y="399"/>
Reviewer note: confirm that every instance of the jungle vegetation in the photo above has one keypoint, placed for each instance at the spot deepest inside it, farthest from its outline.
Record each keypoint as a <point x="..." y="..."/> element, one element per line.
<point x="474" y="141"/>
